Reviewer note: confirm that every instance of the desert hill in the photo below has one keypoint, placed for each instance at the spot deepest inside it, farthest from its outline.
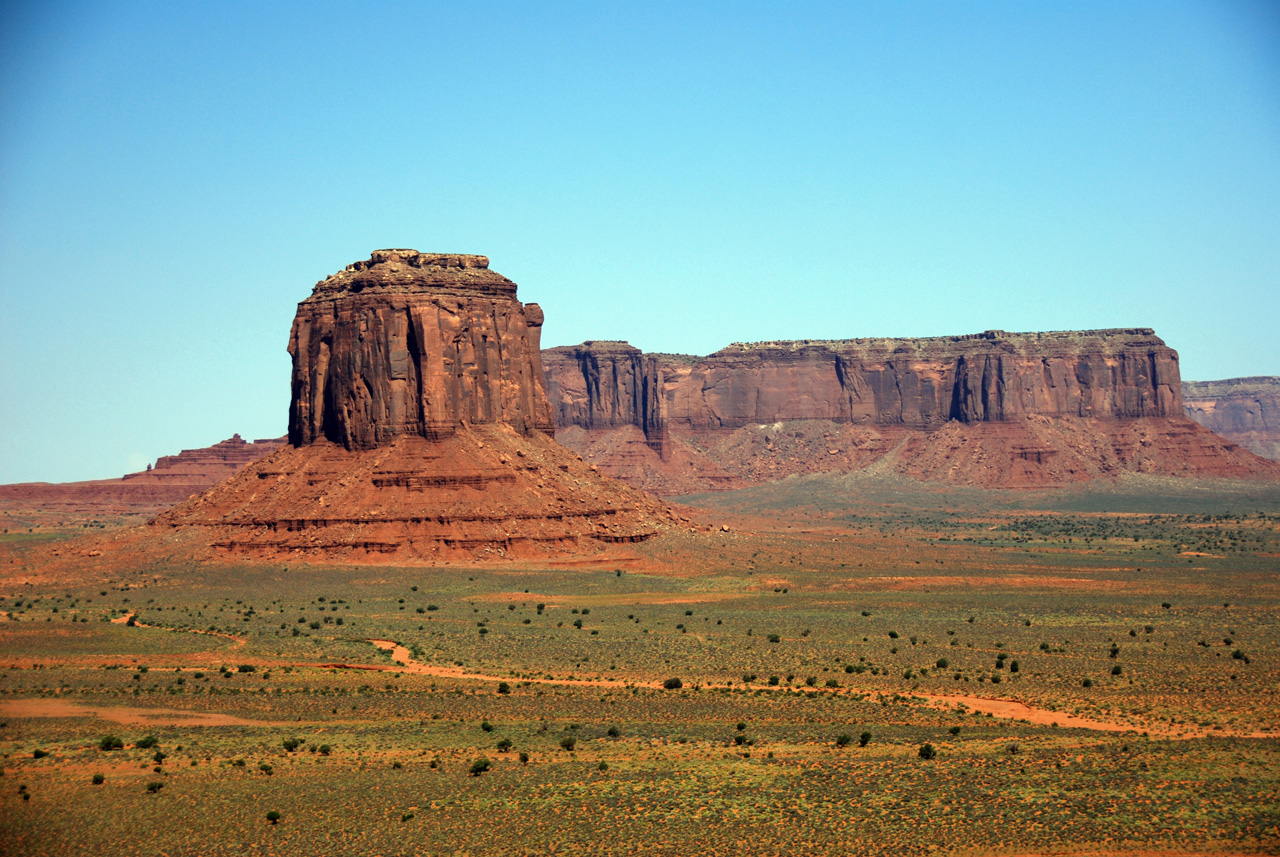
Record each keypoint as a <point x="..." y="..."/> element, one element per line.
<point x="1246" y="411"/>
<point x="995" y="409"/>
<point x="171" y="480"/>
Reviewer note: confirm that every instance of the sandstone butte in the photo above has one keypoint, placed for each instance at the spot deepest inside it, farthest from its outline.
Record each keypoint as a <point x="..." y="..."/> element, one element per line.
<point x="419" y="430"/>
<point x="994" y="409"/>
<point x="1243" y="410"/>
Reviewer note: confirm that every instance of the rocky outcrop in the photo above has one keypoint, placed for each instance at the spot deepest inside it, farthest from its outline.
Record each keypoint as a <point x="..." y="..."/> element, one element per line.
<point x="606" y="385"/>
<point x="990" y="409"/>
<point x="209" y="465"/>
<point x="411" y="343"/>
<point x="171" y="480"/>
<point x="1243" y="410"/>
<point x="419" y="431"/>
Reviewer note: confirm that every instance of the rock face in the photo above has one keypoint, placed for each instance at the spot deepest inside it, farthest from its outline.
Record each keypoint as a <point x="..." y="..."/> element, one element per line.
<point x="414" y="343"/>
<point x="990" y="409"/>
<point x="419" y="431"/>
<point x="923" y="383"/>
<point x="1243" y="410"/>
<point x="606" y="385"/>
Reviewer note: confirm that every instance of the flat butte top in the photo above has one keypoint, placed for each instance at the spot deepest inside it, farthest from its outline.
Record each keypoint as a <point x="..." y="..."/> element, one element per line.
<point x="1108" y="341"/>
<point x="400" y="271"/>
<point x="1259" y="385"/>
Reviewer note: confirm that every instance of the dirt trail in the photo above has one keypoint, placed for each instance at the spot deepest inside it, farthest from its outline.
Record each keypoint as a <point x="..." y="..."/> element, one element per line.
<point x="124" y="620"/>
<point x="120" y="714"/>
<point x="1005" y="709"/>
<point x="401" y="655"/>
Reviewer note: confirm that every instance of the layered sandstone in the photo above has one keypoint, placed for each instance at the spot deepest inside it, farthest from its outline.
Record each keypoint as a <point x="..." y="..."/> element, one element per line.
<point x="990" y="409"/>
<point x="414" y="343"/>
<point x="419" y="431"/>
<point x="1243" y="410"/>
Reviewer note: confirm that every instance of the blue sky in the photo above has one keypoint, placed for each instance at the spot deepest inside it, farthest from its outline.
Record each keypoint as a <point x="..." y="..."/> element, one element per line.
<point x="174" y="178"/>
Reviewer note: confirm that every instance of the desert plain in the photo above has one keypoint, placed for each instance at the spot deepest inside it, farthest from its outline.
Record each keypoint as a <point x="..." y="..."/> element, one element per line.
<point x="865" y="664"/>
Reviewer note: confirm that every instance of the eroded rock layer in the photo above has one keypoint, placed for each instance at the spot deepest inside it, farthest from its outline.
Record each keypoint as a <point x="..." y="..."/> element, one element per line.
<point x="483" y="491"/>
<point x="419" y="431"/>
<point x="1243" y="410"/>
<point x="993" y="409"/>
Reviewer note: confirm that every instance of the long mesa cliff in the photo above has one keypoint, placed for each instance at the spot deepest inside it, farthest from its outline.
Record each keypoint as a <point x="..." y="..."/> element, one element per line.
<point x="993" y="409"/>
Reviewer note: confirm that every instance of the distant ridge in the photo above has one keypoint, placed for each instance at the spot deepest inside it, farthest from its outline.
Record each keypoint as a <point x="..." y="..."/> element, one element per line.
<point x="1243" y="410"/>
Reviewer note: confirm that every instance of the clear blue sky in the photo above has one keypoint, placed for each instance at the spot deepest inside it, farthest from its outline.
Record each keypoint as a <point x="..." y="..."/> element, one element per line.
<point x="174" y="178"/>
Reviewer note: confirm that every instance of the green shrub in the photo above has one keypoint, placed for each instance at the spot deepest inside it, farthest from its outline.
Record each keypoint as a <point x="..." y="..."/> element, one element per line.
<point x="504" y="745"/>
<point x="39" y="754"/>
<point x="604" y="766"/>
<point x="614" y="732"/>
<point x="291" y="744"/>
<point x="844" y="739"/>
<point x="673" y="684"/>
<point x="864" y="739"/>
<point x="98" y="779"/>
<point x="568" y="742"/>
<point x="1087" y="683"/>
<point x="478" y="767"/>
<point x="954" y="730"/>
<point x="486" y="726"/>
<point x="774" y="638"/>
<point x="154" y="787"/>
<point x="942" y="663"/>
<point x="110" y="742"/>
<point x="273" y="816"/>
<point x="1115" y="670"/>
<point x="147" y="742"/>
<point x="927" y="751"/>
<point x="503" y="687"/>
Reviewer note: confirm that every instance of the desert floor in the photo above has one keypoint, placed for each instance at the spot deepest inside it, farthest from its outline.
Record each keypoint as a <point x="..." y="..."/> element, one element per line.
<point x="1095" y="670"/>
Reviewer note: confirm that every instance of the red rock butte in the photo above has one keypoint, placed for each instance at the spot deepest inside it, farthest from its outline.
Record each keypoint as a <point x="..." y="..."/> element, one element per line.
<point x="419" y="430"/>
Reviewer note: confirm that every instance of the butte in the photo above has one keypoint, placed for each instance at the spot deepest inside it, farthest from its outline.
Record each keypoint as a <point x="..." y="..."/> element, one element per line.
<point x="419" y="431"/>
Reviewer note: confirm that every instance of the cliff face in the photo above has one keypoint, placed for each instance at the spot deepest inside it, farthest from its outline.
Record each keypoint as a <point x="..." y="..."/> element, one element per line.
<point x="991" y="409"/>
<point x="1243" y="410"/>
<point x="411" y="343"/>
<point x="924" y="383"/>
<point x="419" y="432"/>
<point x="606" y="385"/>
